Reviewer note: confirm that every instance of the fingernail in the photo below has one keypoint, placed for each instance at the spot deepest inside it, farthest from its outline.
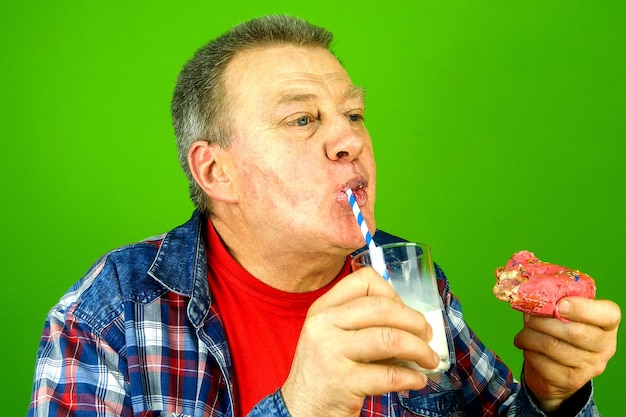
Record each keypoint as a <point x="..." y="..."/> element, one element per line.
<point x="564" y="307"/>
<point x="436" y="357"/>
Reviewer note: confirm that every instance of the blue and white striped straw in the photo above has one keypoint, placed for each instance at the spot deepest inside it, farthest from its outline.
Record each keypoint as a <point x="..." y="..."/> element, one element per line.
<point x="360" y="220"/>
<point x="376" y="256"/>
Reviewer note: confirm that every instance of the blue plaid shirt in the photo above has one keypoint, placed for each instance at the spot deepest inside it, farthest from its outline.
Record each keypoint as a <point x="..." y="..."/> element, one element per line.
<point x="138" y="336"/>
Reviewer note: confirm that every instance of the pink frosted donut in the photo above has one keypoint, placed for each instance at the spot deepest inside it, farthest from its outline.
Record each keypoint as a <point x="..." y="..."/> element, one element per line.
<point x="535" y="287"/>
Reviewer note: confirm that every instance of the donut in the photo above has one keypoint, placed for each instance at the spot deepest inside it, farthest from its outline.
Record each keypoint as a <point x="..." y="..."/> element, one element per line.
<point x="535" y="287"/>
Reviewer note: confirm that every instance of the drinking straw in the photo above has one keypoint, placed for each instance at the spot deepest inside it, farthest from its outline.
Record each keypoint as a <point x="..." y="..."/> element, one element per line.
<point x="376" y="256"/>
<point x="360" y="220"/>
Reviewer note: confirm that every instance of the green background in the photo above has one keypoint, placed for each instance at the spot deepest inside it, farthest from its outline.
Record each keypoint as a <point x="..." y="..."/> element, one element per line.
<point x="498" y="126"/>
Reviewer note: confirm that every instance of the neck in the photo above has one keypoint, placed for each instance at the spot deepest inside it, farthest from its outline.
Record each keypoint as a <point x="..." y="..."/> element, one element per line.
<point x="286" y="267"/>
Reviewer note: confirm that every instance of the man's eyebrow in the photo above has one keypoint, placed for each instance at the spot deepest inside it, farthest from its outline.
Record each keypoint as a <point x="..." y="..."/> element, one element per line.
<point x="354" y="92"/>
<point x="291" y="98"/>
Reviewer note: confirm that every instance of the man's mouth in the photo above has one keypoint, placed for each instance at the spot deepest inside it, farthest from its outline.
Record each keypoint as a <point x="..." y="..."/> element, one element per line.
<point x="359" y="189"/>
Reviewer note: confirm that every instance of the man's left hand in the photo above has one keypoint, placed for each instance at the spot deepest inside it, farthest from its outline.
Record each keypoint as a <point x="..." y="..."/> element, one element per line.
<point x="560" y="357"/>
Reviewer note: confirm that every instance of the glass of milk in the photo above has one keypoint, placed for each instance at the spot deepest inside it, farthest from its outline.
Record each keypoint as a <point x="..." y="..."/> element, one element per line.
<point x="409" y="268"/>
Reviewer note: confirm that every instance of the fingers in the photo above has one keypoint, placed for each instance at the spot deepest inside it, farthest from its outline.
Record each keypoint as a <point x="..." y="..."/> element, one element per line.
<point x="382" y="343"/>
<point x="563" y="356"/>
<point x="345" y="340"/>
<point x="372" y="311"/>
<point x="372" y="328"/>
<point x="601" y="313"/>
<point x="552" y="348"/>
<point x="592" y="327"/>
<point x="379" y="379"/>
<point x="554" y="369"/>
<point x="549" y="381"/>
<point x="364" y="300"/>
<point x="361" y="283"/>
<point x="546" y="334"/>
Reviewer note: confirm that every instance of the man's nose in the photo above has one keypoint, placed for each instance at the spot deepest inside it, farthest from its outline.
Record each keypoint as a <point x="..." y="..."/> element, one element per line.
<point x="345" y="141"/>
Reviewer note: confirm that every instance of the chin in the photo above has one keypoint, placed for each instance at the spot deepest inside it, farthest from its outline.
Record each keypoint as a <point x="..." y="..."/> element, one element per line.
<point x="354" y="241"/>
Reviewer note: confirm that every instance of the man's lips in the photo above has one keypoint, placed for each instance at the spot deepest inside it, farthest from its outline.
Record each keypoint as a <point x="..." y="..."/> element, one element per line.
<point x="360" y="194"/>
<point x="359" y="189"/>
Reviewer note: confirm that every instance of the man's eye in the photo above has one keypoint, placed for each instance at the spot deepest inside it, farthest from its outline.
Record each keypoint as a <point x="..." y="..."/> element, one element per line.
<point x="301" y="121"/>
<point x="355" y="117"/>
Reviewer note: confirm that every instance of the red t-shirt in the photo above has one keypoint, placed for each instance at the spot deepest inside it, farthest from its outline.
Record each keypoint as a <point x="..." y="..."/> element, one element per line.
<point x="262" y="323"/>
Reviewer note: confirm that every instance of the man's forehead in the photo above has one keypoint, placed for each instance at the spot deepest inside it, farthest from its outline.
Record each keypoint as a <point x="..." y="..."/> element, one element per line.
<point x="282" y="74"/>
<point x="351" y="92"/>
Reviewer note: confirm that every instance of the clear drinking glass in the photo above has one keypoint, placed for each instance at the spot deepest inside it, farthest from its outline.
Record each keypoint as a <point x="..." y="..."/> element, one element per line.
<point x="408" y="267"/>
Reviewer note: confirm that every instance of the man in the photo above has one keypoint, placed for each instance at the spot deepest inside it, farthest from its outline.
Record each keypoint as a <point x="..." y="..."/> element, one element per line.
<point x="250" y="308"/>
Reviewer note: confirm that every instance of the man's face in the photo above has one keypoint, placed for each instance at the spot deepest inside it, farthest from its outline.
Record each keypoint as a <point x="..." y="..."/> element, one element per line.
<point x="299" y="143"/>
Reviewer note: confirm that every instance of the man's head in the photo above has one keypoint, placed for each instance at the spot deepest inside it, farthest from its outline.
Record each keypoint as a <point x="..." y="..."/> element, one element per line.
<point x="275" y="138"/>
<point x="200" y="107"/>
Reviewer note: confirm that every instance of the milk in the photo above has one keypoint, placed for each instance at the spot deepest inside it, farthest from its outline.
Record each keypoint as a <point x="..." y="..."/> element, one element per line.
<point x="439" y="342"/>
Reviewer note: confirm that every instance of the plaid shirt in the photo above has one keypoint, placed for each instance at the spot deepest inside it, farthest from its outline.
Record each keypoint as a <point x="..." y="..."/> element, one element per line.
<point x="138" y="336"/>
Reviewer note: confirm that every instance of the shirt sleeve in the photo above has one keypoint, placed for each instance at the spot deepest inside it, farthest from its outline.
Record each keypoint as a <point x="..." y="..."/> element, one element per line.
<point x="77" y="373"/>
<point x="581" y="404"/>
<point x="272" y="405"/>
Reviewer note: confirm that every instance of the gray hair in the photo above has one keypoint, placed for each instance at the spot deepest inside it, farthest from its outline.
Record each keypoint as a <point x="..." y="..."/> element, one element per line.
<point x="200" y="106"/>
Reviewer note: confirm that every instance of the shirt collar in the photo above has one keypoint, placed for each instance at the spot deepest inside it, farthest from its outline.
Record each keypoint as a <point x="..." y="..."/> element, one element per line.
<point x="180" y="265"/>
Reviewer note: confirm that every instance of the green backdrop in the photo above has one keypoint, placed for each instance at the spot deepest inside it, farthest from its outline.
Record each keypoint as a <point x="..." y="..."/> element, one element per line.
<point x="498" y="126"/>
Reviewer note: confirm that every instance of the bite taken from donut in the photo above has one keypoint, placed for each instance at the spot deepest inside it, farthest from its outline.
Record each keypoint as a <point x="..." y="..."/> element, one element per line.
<point x="535" y="287"/>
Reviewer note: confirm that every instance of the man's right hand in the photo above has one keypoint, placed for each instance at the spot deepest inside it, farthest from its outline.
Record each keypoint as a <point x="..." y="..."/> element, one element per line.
<point x="346" y="338"/>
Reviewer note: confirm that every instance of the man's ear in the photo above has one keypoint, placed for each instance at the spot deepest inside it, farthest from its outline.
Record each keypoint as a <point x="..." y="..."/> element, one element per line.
<point x="208" y="166"/>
